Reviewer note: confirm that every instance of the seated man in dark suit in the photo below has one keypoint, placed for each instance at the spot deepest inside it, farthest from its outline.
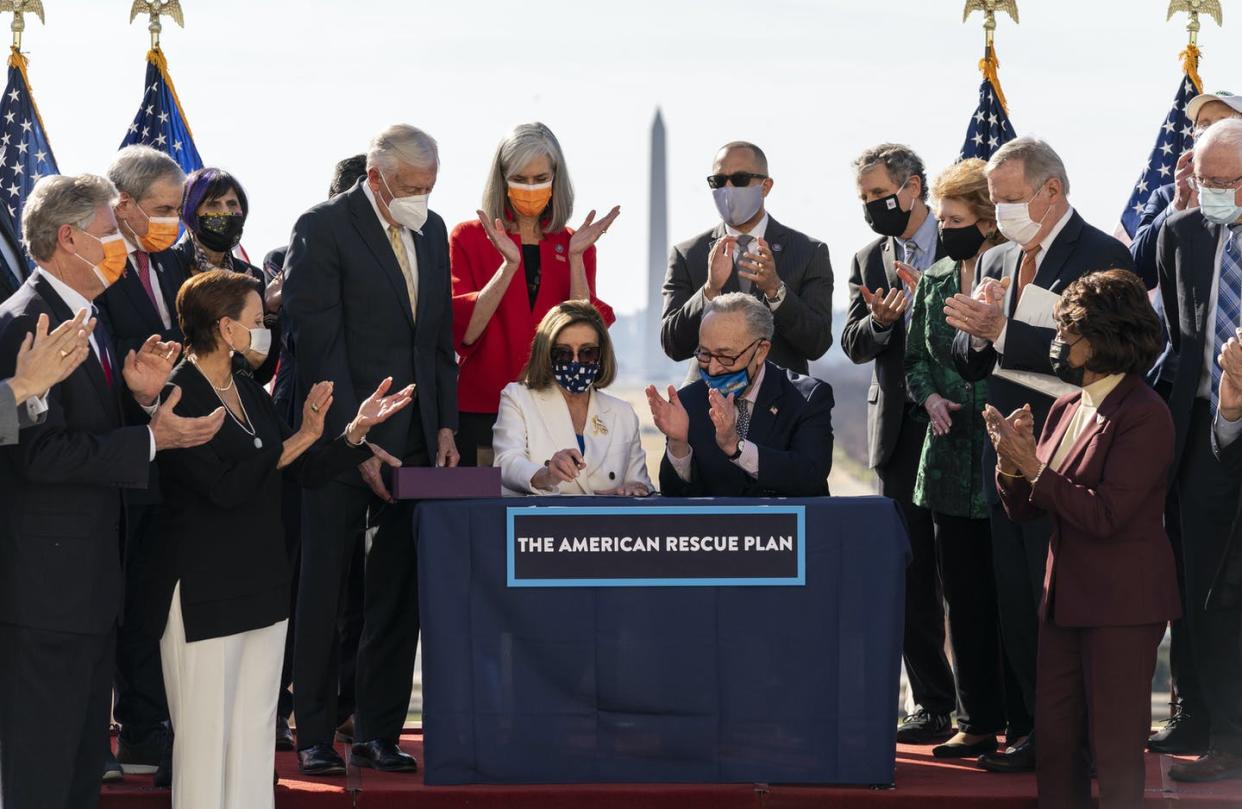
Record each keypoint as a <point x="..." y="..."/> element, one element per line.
<point x="747" y="428"/>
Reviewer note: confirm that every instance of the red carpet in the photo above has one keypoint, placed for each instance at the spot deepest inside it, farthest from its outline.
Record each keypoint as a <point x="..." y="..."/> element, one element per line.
<point x="921" y="781"/>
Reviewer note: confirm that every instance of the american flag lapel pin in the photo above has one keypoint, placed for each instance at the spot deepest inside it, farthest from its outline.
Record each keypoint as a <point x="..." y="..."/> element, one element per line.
<point x="774" y="410"/>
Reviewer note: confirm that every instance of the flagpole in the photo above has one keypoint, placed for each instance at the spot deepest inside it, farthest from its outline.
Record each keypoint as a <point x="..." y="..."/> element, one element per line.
<point x="1191" y="55"/>
<point x="990" y="127"/>
<point x="17" y="59"/>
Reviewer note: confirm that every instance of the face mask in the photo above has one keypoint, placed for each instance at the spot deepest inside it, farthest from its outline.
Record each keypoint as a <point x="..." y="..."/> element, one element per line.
<point x="162" y="232"/>
<point x="260" y="341"/>
<point x="220" y="232"/>
<point x="411" y="212"/>
<point x="530" y="200"/>
<point x="575" y="377"/>
<point x="885" y="215"/>
<point x="115" y="258"/>
<point x="962" y="243"/>
<point x="1058" y="355"/>
<point x="1015" y="223"/>
<point x="731" y="382"/>
<point x="737" y="206"/>
<point x="1219" y="206"/>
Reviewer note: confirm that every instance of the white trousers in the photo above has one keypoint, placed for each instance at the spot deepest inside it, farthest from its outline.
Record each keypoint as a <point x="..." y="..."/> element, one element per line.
<point x="222" y="695"/>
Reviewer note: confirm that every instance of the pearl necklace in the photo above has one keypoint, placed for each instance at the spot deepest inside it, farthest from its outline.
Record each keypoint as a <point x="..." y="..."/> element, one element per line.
<point x="248" y="430"/>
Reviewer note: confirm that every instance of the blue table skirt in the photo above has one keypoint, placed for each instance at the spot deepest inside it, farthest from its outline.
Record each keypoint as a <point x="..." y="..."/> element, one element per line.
<point x="664" y="684"/>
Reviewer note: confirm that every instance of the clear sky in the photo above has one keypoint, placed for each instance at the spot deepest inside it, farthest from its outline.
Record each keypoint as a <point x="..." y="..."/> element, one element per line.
<point x="277" y="91"/>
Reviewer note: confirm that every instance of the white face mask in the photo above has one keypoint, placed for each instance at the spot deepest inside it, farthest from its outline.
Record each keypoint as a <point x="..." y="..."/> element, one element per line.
<point x="1013" y="219"/>
<point x="1219" y="205"/>
<point x="408" y="211"/>
<point x="261" y="341"/>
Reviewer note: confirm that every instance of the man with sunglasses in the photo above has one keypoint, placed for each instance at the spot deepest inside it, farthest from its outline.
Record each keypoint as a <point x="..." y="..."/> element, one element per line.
<point x="1199" y="258"/>
<point x="749" y="252"/>
<point x="746" y="427"/>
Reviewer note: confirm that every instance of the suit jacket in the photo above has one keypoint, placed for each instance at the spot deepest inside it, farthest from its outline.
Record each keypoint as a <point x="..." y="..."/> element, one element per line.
<point x="1078" y="250"/>
<point x="132" y="318"/>
<point x="1186" y="261"/>
<point x="1110" y="562"/>
<point x="803" y="320"/>
<point x="1226" y="591"/>
<point x="790" y="425"/>
<point x="875" y="267"/>
<point x="1144" y="245"/>
<point x="348" y="311"/>
<point x="60" y="488"/>
<point x="533" y="425"/>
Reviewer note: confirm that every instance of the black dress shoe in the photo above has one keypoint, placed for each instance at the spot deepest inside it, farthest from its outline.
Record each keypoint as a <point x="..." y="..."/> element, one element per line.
<point x="925" y="727"/>
<point x="320" y="759"/>
<point x="382" y="755"/>
<point x="142" y="755"/>
<point x="112" y="771"/>
<point x="284" y="736"/>
<point x="965" y="750"/>
<point x="1182" y="735"/>
<point x="1217" y="765"/>
<point x="1019" y="758"/>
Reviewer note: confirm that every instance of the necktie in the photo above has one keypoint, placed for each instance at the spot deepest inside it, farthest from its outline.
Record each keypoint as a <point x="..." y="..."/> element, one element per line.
<point x="102" y="339"/>
<point x="912" y="254"/>
<point x="743" y="417"/>
<point x="743" y="242"/>
<point x="1026" y="271"/>
<point x="1228" y="303"/>
<point x="398" y="248"/>
<point x="143" y="260"/>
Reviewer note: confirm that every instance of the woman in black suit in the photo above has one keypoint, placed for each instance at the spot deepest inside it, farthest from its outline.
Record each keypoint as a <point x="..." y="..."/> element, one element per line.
<point x="224" y="577"/>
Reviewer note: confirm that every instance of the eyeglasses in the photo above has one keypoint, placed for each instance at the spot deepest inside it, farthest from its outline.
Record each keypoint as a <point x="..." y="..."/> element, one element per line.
<point x="705" y="357"/>
<point x="1197" y="182"/>
<point x="738" y="179"/>
<point x="587" y="355"/>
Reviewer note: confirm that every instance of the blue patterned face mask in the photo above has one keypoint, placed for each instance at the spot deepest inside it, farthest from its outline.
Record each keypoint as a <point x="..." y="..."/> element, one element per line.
<point x="732" y="382"/>
<point x="575" y="377"/>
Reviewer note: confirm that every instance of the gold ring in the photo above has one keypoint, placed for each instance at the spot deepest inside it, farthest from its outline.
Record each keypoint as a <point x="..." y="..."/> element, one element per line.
<point x="314" y="408"/>
<point x="63" y="353"/>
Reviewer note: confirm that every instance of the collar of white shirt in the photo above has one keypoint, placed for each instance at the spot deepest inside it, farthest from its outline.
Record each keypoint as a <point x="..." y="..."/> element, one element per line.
<point x="75" y="300"/>
<point x="1046" y="244"/>
<point x="752" y="395"/>
<point x="366" y="189"/>
<point x="759" y="231"/>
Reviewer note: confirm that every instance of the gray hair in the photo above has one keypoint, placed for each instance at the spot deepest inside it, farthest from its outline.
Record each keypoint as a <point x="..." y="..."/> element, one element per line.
<point x="136" y="168"/>
<point x="1040" y="162"/>
<point x="519" y="147"/>
<point x="402" y="143"/>
<point x="759" y="320"/>
<point x="900" y="161"/>
<point x="1226" y="134"/>
<point x="60" y="200"/>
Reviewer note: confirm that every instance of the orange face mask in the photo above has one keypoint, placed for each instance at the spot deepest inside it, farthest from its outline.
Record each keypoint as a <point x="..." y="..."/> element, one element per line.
<point x="112" y="266"/>
<point x="162" y="232"/>
<point x="530" y="200"/>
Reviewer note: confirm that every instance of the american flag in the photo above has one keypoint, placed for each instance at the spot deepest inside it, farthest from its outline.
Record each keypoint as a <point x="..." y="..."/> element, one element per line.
<point x="25" y="155"/>
<point x="160" y="122"/>
<point x="1175" y="136"/>
<point x="989" y="127"/>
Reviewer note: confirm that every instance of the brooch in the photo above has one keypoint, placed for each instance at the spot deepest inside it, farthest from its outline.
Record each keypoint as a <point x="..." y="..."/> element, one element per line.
<point x="597" y="426"/>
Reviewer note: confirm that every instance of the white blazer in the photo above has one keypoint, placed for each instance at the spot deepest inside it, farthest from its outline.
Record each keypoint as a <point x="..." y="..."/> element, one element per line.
<point x="533" y="425"/>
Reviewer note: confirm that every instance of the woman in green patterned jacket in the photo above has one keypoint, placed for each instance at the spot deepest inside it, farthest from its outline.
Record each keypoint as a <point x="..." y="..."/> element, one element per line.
<point x="950" y="476"/>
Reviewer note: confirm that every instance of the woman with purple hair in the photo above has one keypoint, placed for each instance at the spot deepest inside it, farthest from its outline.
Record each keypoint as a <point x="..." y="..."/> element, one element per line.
<point x="214" y="208"/>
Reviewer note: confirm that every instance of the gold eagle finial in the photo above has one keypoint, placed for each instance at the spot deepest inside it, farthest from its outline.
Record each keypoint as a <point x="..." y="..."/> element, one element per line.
<point x="156" y="9"/>
<point x="989" y="9"/>
<point x="20" y="8"/>
<point x="1194" y="8"/>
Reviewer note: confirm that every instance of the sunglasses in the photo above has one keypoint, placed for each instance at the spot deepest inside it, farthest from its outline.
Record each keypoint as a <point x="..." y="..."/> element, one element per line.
<point x="587" y="355"/>
<point x="738" y="179"/>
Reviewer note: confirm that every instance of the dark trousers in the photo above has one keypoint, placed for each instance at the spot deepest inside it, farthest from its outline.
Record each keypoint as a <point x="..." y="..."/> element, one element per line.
<point x="349" y="624"/>
<point x="964" y="558"/>
<point x="931" y="679"/>
<point x="1019" y="553"/>
<point x="332" y="518"/>
<point x="1094" y="694"/>
<point x="474" y="433"/>
<point x="141" y="706"/>
<point x="1208" y="497"/>
<point x="55" y="695"/>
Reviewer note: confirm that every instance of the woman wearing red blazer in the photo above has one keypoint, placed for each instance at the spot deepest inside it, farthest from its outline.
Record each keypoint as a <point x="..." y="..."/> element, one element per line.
<point x="1099" y="470"/>
<point x="510" y="266"/>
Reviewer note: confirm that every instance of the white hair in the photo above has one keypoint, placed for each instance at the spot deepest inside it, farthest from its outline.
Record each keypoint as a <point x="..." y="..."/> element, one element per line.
<point x="402" y="143"/>
<point x="1226" y="134"/>
<point x="519" y="147"/>
<point x="136" y="168"/>
<point x="759" y="320"/>
<point x="59" y="200"/>
<point x="1040" y="162"/>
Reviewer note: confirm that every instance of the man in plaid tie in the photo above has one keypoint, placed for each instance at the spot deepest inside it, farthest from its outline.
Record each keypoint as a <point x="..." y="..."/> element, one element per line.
<point x="1200" y="265"/>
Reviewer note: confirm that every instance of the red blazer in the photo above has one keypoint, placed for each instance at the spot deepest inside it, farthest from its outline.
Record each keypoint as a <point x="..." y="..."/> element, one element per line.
<point x="496" y="358"/>
<point x="1110" y="562"/>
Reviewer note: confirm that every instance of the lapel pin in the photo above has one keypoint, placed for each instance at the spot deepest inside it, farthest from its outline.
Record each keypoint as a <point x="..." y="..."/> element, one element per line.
<point x="776" y="248"/>
<point x="560" y="248"/>
<point x="774" y="410"/>
<point x="597" y="426"/>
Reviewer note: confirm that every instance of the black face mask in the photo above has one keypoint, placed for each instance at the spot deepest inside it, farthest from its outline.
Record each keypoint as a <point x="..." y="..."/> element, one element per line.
<point x="962" y="243"/>
<point x="886" y="217"/>
<point x="1058" y="355"/>
<point x="220" y="232"/>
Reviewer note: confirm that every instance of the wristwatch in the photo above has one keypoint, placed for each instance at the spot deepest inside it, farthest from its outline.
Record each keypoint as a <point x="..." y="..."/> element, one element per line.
<point x="737" y="453"/>
<point x="780" y="296"/>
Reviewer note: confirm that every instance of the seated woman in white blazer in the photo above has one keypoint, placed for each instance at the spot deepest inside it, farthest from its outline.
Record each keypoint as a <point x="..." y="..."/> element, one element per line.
<point x="557" y="432"/>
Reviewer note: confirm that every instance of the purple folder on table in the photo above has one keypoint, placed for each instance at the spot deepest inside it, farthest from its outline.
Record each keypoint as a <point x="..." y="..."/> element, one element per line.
<point x="444" y="483"/>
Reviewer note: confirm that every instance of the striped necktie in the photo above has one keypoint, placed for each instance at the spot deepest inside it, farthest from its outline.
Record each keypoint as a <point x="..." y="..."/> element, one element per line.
<point x="743" y="242"/>
<point x="1228" y="303"/>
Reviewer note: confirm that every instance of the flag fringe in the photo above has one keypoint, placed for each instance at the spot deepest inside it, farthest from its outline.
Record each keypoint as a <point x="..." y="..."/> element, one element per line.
<point x="989" y="64"/>
<point x="156" y="57"/>
<point x="1190" y="63"/>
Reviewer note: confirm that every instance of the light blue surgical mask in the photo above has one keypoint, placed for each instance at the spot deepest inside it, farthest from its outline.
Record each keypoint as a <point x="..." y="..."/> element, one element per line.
<point x="1219" y="205"/>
